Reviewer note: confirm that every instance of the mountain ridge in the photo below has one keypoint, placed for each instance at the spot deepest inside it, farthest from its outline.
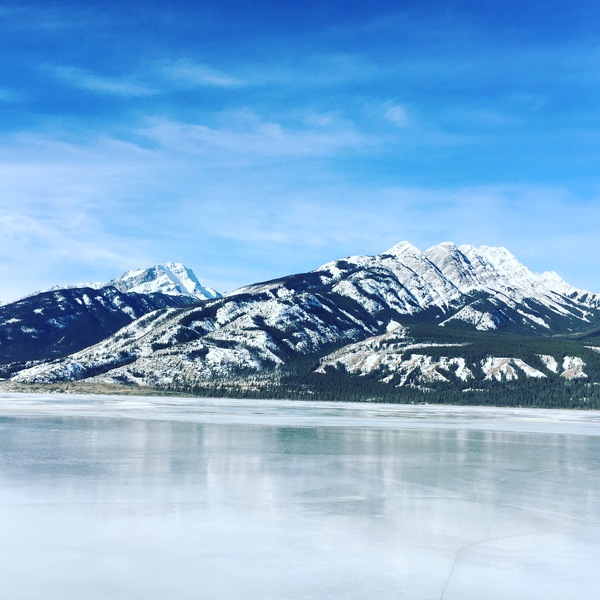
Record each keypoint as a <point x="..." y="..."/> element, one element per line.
<point x="292" y="327"/>
<point x="171" y="278"/>
<point x="57" y="322"/>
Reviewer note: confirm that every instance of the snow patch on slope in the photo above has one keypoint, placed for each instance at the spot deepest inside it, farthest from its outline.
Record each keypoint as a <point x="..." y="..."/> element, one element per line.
<point x="549" y="362"/>
<point x="483" y="321"/>
<point x="507" y="369"/>
<point x="391" y="355"/>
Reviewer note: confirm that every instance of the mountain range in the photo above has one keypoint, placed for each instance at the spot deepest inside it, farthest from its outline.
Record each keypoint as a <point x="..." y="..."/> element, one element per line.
<point x="456" y="324"/>
<point x="55" y="323"/>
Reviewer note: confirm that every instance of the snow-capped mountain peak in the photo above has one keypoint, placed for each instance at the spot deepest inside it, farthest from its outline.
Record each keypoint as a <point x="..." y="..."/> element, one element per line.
<point x="492" y="269"/>
<point x="499" y="259"/>
<point x="169" y="278"/>
<point x="489" y="282"/>
<point x="402" y="249"/>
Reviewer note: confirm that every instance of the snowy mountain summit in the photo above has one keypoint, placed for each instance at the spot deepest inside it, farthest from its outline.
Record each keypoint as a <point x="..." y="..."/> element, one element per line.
<point x="486" y="287"/>
<point x="449" y="272"/>
<point x="169" y="278"/>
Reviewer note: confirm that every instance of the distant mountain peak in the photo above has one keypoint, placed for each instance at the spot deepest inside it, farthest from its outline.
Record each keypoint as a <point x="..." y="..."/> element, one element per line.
<point x="170" y="278"/>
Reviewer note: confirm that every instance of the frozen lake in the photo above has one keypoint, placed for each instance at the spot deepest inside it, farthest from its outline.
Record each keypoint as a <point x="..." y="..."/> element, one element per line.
<point x="178" y="498"/>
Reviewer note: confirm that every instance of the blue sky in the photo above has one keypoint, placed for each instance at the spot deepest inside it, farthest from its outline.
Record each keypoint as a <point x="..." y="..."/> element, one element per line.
<point x="252" y="140"/>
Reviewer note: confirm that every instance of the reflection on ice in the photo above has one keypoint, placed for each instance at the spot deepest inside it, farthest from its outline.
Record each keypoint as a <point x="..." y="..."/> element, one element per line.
<point x="220" y="499"/>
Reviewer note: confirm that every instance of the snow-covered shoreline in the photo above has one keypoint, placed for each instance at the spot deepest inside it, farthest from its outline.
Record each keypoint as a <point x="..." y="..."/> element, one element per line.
<point x="301" y="413"/>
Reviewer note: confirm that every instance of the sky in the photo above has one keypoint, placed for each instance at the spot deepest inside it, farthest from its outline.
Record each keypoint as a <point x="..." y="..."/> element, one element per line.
<point x="250" y="140"/>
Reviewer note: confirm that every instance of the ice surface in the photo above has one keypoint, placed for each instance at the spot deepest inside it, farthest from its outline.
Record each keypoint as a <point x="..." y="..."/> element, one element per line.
<point x="138" y="497"/>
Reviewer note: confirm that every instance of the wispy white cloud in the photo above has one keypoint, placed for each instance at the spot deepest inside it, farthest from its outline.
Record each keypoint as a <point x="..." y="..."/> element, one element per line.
<point x="66" y="214"/>
<point x="38" y="251"/>
<point x="162" y="77"/>
<point x="320" y="119"/>
<point x="396" y="114"/>
<point x="250" y="135"/>
<point x="119" y="86"/>
<point x="64" y="237"/>
<point x="189" y="73"/>
<point x="147" y="80"/>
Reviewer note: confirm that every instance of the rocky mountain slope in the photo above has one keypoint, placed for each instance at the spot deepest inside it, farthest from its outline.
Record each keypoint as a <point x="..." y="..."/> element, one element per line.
<point x="451" y="316"/>
<point x="399" y="357"/>
<point x="58" y="322"/>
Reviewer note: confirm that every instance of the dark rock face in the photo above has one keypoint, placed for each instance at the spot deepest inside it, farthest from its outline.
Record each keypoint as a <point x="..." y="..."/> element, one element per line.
<point x="53" y="324"/>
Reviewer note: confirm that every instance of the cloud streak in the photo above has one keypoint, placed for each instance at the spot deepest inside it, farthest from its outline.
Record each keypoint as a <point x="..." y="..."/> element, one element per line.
<point x="397" y="115"/>
<point x="119" y="86"/>
<point x="153" y="79"/>
<point x="253" y="137"/>
<point x="188" y="73"/>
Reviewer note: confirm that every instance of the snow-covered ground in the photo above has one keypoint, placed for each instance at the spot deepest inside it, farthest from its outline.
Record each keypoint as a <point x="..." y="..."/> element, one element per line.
<point x="155" y="497"/>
